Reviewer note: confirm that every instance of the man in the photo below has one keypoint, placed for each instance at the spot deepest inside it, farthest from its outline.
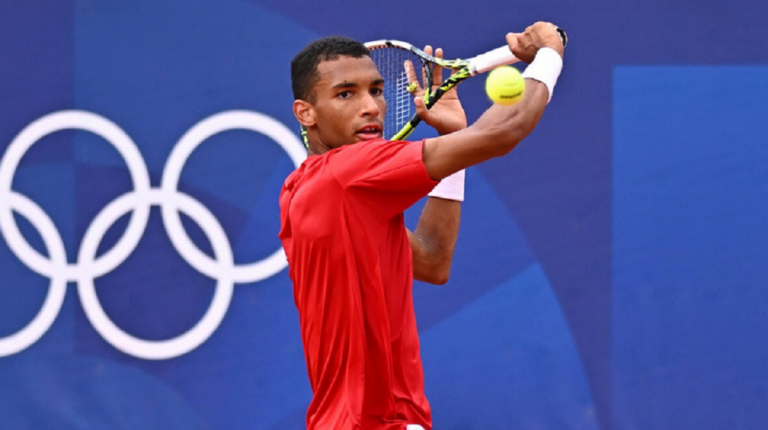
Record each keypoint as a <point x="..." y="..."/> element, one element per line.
<point x="351" y="259"/>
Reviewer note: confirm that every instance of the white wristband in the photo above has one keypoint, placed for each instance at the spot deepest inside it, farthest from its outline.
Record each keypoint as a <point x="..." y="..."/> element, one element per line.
<point x="451" y="187"/>
<point x="545" y="68"/>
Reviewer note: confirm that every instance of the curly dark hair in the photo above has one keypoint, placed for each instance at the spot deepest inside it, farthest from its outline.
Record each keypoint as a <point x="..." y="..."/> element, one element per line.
<point x="304" y="74"/>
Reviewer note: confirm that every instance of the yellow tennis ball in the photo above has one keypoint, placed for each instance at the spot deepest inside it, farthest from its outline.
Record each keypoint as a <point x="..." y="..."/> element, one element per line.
<point x="505" y="85"/>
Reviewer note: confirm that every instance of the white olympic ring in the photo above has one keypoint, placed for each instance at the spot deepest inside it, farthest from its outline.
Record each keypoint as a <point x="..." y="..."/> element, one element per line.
<point x="88" y="267"/>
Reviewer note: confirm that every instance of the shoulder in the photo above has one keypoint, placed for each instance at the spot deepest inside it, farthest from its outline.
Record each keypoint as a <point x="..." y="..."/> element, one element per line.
<point x="373" y="152"/>
<point x="377" y="163"/>
<point x="376" y="145"/>
<point x="307" y="169"/>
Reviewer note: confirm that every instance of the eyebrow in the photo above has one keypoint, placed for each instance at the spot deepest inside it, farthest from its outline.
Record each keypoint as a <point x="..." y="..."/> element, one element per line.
<point x="345" y="85"/>
<point x="379" y="81"/>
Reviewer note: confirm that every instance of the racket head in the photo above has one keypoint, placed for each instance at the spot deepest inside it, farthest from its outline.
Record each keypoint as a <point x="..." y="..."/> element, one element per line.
<point x="390" y="57"/>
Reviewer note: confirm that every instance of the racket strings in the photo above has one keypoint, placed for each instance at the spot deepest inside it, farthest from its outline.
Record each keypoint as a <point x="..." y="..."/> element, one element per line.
<point x="391" y="64"/>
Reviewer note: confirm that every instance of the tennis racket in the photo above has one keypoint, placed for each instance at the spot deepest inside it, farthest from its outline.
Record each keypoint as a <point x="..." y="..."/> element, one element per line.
<point x="390" y="57"/>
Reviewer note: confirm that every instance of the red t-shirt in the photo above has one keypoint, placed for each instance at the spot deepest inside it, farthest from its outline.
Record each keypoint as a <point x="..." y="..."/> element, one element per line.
<point x="352" y="269"/>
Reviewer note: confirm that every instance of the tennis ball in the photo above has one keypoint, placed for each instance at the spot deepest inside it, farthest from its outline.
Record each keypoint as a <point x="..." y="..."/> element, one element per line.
<point x="505" y="85"/>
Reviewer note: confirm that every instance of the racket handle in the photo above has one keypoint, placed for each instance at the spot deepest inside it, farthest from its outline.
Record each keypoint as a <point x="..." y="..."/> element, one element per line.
<point x="501" y="57"/>
<point x="492" y="59"/>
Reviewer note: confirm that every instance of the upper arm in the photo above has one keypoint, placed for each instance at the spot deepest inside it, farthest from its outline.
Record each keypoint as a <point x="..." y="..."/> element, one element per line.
<point x="447" y="154"/>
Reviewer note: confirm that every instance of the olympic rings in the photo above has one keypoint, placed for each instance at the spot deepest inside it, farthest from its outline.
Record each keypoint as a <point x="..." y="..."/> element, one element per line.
<point x="170" y="200"/>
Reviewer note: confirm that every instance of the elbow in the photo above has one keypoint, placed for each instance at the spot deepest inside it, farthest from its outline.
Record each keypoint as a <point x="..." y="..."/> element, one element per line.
<point x="433" y="264"/>
<point x="434" y="279"/>
<point x="436" y="274"/>
<point x="441" y="279"/>
<point x="439" y="274"/>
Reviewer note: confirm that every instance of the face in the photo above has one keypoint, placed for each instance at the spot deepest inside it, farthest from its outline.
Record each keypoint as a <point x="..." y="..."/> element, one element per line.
<point x="349" y="102"/>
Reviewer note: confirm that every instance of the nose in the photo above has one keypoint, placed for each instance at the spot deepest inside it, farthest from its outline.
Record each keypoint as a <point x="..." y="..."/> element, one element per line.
<point x="370" y="107"/>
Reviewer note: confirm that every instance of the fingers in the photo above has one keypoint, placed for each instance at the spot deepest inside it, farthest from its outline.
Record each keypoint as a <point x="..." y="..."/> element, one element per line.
<point x="545" y="34"/>
<point x="512" y="41"/>
<point x="437" y="71"/>
<point x="421" y="108"/>
<point x="412" y="79"/>
<point x="428" y="51"/>
<point x="437" y="74"/>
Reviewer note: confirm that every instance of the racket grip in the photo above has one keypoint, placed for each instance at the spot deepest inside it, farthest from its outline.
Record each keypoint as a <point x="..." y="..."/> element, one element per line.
<point x="501" y="57"/>
<point x="492" y="59"/>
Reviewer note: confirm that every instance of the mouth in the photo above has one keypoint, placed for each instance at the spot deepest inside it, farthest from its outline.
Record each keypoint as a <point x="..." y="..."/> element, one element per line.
<point x="370" y="131"/>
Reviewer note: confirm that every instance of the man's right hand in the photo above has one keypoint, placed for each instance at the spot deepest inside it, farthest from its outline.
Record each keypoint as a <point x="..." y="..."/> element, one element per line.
<point x="542" y="34"/>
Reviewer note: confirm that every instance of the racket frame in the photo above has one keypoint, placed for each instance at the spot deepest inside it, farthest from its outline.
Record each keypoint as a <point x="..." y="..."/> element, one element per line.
<point x="463" y="69"/>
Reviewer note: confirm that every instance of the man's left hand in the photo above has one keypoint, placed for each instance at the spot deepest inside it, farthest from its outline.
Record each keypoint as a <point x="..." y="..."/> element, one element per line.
<point x="447" y="115"/>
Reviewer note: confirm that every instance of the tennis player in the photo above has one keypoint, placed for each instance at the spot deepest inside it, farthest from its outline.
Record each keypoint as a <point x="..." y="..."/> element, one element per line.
<point x="351" y="259"/>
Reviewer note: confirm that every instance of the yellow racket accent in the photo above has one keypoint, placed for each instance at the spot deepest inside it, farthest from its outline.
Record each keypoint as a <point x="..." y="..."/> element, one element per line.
<point x="304" y="136"/>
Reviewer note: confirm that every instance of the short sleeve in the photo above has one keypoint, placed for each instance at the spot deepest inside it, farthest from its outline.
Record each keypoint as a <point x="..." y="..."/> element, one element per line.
<point x="388" y="175"/>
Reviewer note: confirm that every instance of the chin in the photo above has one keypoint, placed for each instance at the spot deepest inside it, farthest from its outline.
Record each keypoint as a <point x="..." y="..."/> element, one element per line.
<point x="366" y="139"/>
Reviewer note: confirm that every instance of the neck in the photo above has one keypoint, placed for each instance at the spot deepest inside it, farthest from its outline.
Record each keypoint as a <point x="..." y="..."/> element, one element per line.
<point x="316" y="146"/>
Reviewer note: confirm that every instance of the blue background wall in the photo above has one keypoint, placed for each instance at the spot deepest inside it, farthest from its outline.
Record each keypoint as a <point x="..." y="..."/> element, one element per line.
<point x="610" y="273"/>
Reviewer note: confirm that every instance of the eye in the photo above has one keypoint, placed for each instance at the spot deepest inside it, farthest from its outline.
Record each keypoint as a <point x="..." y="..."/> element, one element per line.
<point x="377" y="91"/>
<point x="344" y="94"/>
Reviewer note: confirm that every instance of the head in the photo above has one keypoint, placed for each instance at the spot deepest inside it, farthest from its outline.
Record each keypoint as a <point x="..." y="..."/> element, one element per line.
<point x="338" y="93"/>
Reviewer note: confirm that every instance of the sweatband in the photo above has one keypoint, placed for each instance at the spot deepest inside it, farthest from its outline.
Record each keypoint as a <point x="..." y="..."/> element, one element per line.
<point x="545" y="68"/>
<point x="451" y="187"/>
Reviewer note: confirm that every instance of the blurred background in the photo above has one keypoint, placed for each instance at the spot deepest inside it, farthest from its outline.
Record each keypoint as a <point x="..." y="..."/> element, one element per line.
<point x="610" y="274"/>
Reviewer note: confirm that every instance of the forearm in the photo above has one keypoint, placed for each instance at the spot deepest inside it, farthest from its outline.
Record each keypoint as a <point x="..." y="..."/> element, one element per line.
<point x="503" y="127"/>
<point x="497" y="132"/>
<point x="434" y="240"/>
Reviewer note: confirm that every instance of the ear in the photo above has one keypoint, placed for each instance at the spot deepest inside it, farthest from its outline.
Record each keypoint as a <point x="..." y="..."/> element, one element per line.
<point x="304" y="113"/>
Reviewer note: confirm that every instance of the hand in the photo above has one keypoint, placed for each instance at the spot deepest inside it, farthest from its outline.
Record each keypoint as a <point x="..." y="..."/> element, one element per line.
<point x="526" y="45"/>
<point x="447" y="115"/>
